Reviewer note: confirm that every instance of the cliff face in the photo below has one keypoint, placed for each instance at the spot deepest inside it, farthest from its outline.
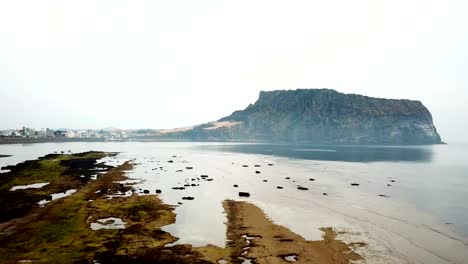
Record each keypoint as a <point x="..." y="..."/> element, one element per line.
<point x="323" y="116"/>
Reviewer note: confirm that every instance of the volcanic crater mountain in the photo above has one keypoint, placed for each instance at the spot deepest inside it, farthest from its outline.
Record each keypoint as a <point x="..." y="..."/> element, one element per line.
<point x="320" y="116"/>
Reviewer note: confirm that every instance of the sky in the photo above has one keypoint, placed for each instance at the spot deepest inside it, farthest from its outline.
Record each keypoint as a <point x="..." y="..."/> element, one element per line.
<point x="166" y="64"/>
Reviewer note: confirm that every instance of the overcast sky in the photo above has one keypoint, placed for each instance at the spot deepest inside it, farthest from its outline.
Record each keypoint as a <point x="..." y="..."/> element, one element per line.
<point x="163" y="64"/>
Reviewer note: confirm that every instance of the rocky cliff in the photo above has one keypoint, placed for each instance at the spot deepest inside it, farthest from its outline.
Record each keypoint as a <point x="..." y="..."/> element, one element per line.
<point x="322" y="116"/>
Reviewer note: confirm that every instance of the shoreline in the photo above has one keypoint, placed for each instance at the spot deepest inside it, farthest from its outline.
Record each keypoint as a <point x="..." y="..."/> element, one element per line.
<point x="394" y="232"/>
<point x="31" y="140"/>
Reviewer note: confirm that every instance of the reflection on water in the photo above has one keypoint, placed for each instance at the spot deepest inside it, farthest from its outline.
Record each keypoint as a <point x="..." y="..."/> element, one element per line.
<point x="333" y="153"/>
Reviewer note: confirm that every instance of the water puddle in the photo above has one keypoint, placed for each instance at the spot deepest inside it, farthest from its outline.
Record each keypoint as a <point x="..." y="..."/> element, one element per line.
<point x="108" y="223"/>
<point x="29" y="186"/>
<point x="57" y="196"/>
<point x="290" y="258"/>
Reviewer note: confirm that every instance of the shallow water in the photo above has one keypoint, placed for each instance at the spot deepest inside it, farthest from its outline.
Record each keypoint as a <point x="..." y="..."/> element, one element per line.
<point x="33" y="186"/>
<point x="423" y="217"/>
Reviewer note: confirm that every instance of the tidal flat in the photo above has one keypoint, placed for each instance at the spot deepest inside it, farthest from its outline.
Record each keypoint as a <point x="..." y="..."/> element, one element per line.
<point x="292" y="210"/>
<point x="94" y="225"/>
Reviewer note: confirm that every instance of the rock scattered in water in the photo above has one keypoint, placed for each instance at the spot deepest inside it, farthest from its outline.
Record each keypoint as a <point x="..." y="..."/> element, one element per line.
<point x="158" y="191"/>
<point x="311" y="179"/>
<point x="245" y="166"/>
<point x="392" y="181"/>
<point x="188" y="168"/>
<point x="235" y="185"/>
<point x="170" y="161"/>
<point x="179" y="202"/>
<point x="324" y="194"/>
<point x="279" y="187"/>
<point x="178" y="188"/>
<point x="244" y="194"/>
<point x="389" y="185"/>
<point x="256" y="165"/>
<point x="302" y="188"/>
<point x="209" y="179"/>
<point x="269" y="164"/>
<point x="188" y="198"/>
<point x="178" y="170"/>
<point x="383" y="195"/>
<point x="354" y="184"/>
<point x="265" y="180"/>
<point x="204" y="176"/>
<point x="257" y="172"/>
<point x="186" y="185"/>
<point x="287" y="178"/>
<point x="146" y="191"/>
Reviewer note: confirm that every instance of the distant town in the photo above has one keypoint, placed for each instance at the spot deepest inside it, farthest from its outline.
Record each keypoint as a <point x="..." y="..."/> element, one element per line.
<point x="26" y="132"/>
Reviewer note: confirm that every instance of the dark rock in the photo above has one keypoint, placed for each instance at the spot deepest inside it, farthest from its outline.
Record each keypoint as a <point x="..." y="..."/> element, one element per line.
<point x="256" y="165"/>
<point x="354" y="184"/>
<point x="257" y="172"/>
<point x="178" y="170"/>
<point x="146" y="192"/>
<point x="188" y="198"/>
<point x="311" y="179"/>
<point x="302" y="188"/>
<point x="204" y="176"/>
<point x="389" y="185"/>
<point x="209" y="179"/>
<point x="383" y="195"/>
<point x="178" y="188"/>
<point x="279" y="187"/>
<point x="158" y="191"/>
<point x="179" y="203"/>
<point x="244" y="194"/>
<point x="324" y="194"/>
<point x="287" y="178"/>
<point x="265" y="180"/>
<point x="269" y="164"/>
<point x="187" y="185"/>
<point x="235" y="185"/>
<point x="188" y="168"/>
<point x="392" y="180"/>
<point x="170" y="161"/>
<point x="245" y="166"/>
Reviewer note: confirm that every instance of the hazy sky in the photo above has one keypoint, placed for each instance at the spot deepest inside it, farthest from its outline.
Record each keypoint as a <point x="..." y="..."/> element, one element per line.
<point x="162" y="64"/>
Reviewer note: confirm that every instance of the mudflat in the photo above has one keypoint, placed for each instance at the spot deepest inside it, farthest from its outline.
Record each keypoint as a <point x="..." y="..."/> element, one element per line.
<point x="106" y="220"/>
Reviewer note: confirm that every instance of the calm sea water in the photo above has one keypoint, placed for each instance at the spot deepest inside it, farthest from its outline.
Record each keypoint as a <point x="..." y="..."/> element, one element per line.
<point x="431" y="178"/>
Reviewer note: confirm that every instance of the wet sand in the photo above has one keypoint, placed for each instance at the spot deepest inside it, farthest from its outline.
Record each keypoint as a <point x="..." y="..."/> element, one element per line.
<point x="252" y="236"/>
